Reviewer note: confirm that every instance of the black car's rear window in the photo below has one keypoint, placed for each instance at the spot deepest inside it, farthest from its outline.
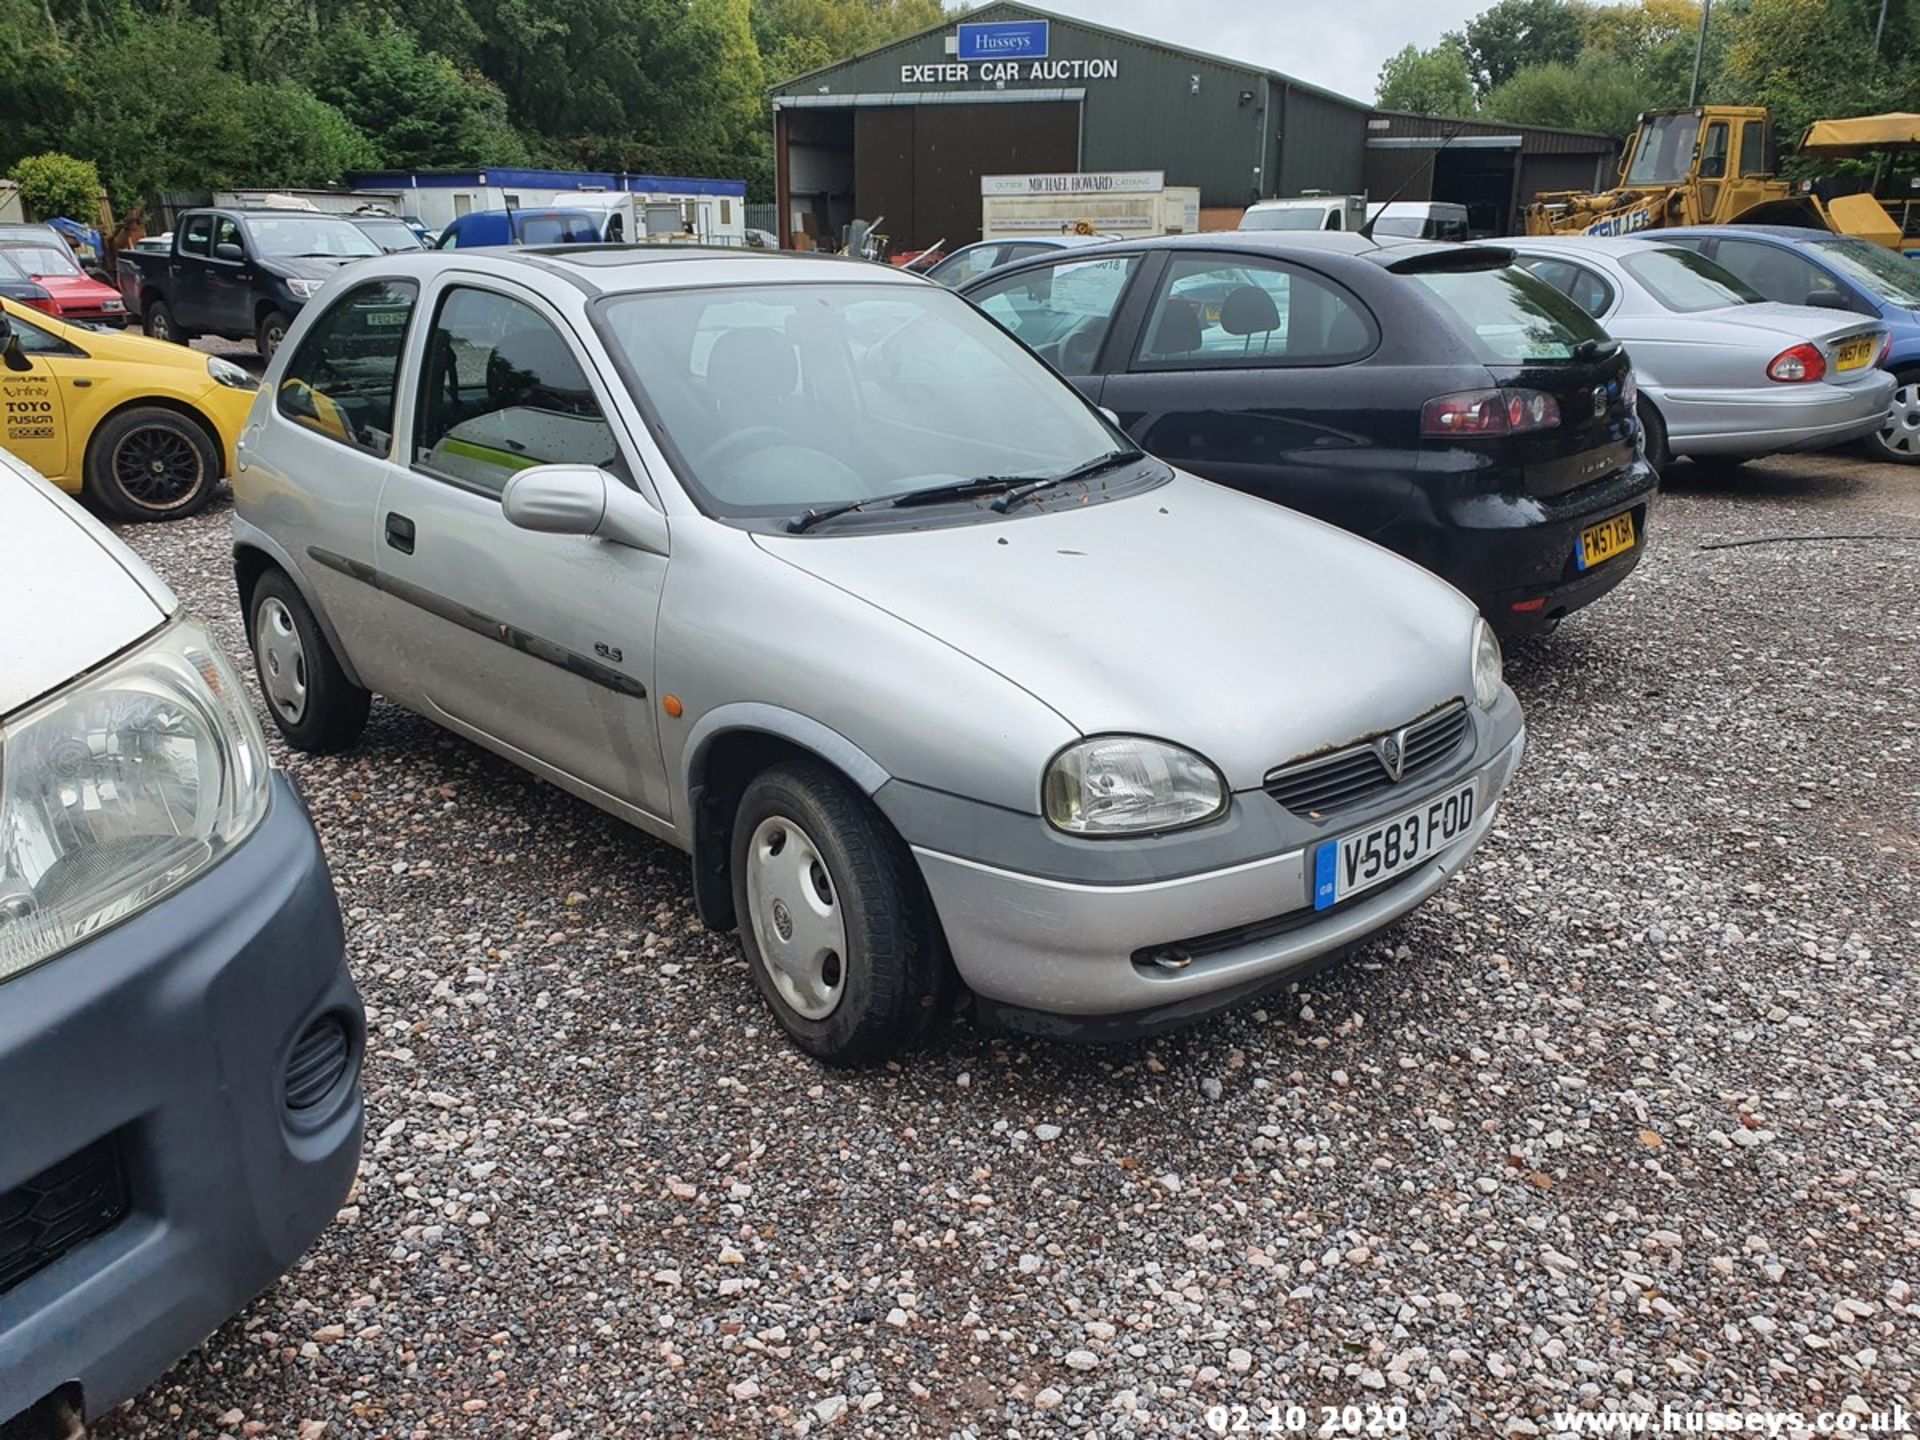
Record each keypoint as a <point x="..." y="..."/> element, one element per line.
<point x="1511" y="317"/>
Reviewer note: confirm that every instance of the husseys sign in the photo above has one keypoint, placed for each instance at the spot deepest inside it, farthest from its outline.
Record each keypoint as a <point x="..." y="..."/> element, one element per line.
<point x="1005" y="50"/>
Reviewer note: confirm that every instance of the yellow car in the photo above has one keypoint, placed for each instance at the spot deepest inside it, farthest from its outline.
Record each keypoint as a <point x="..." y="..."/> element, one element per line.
<point x="142" y="428"/>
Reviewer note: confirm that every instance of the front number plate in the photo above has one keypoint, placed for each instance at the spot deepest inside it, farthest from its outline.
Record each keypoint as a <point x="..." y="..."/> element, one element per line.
<point x="1344" y="867"/>
<point x="1602" y="542"/>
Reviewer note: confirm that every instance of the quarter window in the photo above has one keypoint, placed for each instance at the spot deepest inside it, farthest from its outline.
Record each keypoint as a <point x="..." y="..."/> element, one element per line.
<point x="1062" y="312"/>
<point x="340" y="382"/>
<point x="1219" y="311"/>
<point x="501" y="391"/>
<point x="1579" y="284"/>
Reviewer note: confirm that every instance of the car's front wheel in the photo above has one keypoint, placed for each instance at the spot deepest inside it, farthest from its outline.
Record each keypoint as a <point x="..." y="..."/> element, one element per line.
<point x="307" y="691"/>
<point x="834" y="919"/>
<point x="1899" y="438"/>
<point x="151" y="463"/>
<point x="273" y="329"/>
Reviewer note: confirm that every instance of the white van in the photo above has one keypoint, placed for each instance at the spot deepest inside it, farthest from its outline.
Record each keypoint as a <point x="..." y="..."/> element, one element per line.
<point x="1419" y="219"/>
<point x="1307" y="212"/>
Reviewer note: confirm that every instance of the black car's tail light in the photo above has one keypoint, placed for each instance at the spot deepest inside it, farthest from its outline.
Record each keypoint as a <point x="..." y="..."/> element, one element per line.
<point x="1488" y="412"/>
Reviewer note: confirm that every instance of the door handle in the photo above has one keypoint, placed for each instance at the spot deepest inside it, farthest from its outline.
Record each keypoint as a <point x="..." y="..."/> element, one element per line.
<point x="400" y="533"/>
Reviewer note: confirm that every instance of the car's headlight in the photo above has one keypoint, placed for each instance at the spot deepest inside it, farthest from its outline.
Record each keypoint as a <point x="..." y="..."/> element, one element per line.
<point x="1127" y="785"/>
<point x="231" y="375"/>
<point x="119" y="789"/>
<point x="1486" y="665"/>
<point x="305" y="289"/>
<point x="111" y="305"/>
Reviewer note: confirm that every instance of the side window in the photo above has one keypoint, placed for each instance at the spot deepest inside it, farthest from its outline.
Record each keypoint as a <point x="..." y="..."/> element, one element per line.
<point x="501" y="391"/>
<point x="35" y="341"/>
<point x="1753" y="148"/>
<point x="1590" y="291"/>
<point x="226" y="232"/>
<point x="341" y="381"/>
<point x="197" y="236"/>
<point x="1222" y="311"/>
<point x="1713" y="152"/>
<point x="968" y="263"/>
<point x="1062" y="312"/>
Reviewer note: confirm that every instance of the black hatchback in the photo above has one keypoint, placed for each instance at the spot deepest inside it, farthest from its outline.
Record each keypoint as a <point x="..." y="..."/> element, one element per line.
<point x="1432" y="398"/>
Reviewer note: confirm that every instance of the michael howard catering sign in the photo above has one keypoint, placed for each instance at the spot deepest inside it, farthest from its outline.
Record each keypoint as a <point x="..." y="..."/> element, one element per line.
<point x="1004" y="40"/>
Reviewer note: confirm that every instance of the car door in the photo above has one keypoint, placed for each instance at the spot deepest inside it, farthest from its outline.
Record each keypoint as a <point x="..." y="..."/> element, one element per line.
<point x="33" y="416"/>
<point x="316" y="462"/>
<point x="229" y="283"/>
<point x="1069" y="312"/>
<point x="1244" y="372"/>
<point x="190" y="272"/>
<point x="538" y="645"/>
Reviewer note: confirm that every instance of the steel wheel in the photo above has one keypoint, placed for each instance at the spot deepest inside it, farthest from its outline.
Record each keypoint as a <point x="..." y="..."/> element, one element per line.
<point x="282" y="660"/>
<point x="160" y="325"/>
<point x="796" y="917"/>
<point x="158" y="468"/>
<point x="1900" y="436"/>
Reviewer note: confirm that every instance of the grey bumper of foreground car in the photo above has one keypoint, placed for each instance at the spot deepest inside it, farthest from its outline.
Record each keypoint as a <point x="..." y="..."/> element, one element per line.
<point x="1078" y="959"/>
<point x="180" y="1116"/>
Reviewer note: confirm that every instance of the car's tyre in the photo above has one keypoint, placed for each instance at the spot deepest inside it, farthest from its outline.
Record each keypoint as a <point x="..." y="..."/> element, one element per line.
<point x="311" y="699"/>
<point x="1899" y="438"/>
<point x="834" y="918"/>
<point x="156" y="320"/>
<point x="1658" y="455"/>
<point x="151" y="463"/>
<point x="269" y="333"/>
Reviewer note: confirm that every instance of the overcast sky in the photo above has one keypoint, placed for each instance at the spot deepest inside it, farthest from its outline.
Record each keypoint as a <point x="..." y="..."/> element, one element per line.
<point x="1336" y="43"/>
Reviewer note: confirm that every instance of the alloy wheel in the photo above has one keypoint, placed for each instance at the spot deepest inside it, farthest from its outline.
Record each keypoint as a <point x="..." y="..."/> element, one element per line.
<point x="158" y="468"/>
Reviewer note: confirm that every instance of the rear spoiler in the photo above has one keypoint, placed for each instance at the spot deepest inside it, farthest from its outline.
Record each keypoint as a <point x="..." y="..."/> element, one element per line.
<point x="1444" y="258"/>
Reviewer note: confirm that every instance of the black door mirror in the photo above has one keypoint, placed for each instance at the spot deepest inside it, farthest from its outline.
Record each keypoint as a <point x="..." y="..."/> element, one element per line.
<point x="1828" y="298"/>
<point x="16" y="358"/>
<point x="227" y="250"/>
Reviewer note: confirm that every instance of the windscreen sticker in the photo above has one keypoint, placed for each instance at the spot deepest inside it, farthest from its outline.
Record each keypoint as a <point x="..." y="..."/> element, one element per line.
<point x="1088" y="288"/>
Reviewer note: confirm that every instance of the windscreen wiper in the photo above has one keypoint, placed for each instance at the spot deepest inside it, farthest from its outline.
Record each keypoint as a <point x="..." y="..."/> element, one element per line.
<point x="1037" y="483"/>
<point x="927" y="495"/>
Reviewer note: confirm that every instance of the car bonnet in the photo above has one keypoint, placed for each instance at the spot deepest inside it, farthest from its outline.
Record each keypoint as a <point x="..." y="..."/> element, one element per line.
<point x="1247" y="632"/>
<point x="71" y="594"/>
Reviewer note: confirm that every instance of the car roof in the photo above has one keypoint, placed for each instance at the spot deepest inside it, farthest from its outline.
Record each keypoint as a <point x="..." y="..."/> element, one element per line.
<point x="29" y="232"/>
<point x="595" y="270"/>
<point x="1298" y="244"/>
<point x="1601" y="246"/>
<point x="1797" y="233"/>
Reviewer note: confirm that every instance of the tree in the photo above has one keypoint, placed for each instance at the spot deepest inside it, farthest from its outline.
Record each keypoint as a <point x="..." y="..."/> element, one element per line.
<point x="1807" y="60"/>
<point x="59" y="185"/>
<point x="416" y="107"/>
<point x="1596" y="93"/>
<point x="299" y="141"/>
<point x="1427" y="82"/>
<point x="795" y="36"/>
<point x="1514" y="34"/>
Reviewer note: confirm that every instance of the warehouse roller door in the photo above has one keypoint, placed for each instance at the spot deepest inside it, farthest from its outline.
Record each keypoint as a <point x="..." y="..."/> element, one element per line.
<point x="917" y="168"/>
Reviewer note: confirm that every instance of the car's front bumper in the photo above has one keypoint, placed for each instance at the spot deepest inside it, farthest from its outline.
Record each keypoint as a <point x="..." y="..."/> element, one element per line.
<point x="161" y="1050"/>
<point x="1768" y="421"/>
<point x="1066" y="956"/>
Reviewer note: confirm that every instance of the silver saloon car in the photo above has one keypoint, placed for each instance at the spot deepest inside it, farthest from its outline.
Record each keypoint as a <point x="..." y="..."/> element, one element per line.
<point x="1723" y="373"/>
<point x="807" y="568"/>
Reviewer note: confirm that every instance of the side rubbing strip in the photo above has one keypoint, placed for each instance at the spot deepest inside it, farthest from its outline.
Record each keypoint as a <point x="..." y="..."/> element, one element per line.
<point x="481" y="624"/>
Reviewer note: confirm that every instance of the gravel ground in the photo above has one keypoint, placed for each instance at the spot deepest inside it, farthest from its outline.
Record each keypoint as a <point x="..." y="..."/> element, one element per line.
<point x="1627" y="1116"/>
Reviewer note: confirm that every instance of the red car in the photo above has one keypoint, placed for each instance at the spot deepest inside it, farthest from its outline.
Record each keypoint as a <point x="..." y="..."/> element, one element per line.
<point x="37" y="253"/>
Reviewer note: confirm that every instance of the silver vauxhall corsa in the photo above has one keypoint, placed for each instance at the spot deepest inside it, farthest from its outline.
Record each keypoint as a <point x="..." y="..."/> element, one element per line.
<point x="804" y="566"/>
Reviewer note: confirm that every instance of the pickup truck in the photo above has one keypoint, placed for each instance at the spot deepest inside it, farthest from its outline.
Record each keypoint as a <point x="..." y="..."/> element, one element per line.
<point x="240" y="274"/>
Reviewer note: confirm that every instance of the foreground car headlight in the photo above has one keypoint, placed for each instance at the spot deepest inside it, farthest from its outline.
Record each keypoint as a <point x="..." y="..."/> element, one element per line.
<point x="120" y="788"/>
<point x="304" y="289"/>
<point x="112" y="306"/>
<point x="1486" y="665"/>
<point x="231" y="375"/>
<point x="1127" y="785"/>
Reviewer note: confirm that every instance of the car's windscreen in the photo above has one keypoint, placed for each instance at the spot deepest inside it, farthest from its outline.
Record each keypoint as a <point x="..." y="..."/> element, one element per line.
<point x="1886" y="273"/>
<point x="1666" y="150"/>
<point x="39" y="260"/>
<point x="1300" y="217"/>
<point x="286" y="239"/>
<point x="561" y="228"/>
<point x="1513" y="317"/>
<point x="391" y="235"/>
<point x="775" y="400"/>
<point x="1686" y="282"/>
